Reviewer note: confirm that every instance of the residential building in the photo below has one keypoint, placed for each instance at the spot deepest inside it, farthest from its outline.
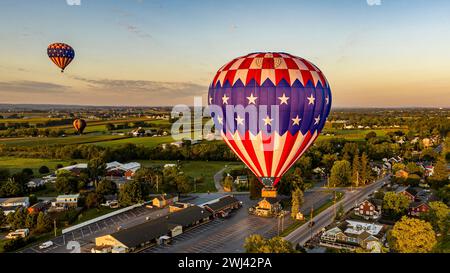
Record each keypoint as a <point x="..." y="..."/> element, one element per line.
<point x="241" y="180"/>
<point x="354" y="234"/>
<point x="268" y="207"/>
<point x="164" y="200"/>
<point x="66" y="201"/>
<point x="402" y="174"/>
<point x="223" y="206"/>
<point x="38" y="207"/>
<point x="34" y="183"/>
<point x="417" y="208"/>
<point x="369" y="209"/>
<point x="11" y="204"/>
<point x="76" y="169"/>
<point x="408" y="192"/>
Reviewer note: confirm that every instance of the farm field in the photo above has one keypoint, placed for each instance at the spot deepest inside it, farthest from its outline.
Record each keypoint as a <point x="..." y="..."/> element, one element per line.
<point x="68" y="140"/>
<point x="15" y="164"/>
<point x="355" y="134"/>
<point x="195" y="169"/>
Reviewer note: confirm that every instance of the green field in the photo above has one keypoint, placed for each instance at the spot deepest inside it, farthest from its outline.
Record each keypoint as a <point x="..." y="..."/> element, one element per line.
<point x="17" y="164"/>
<point x="355" y="134"/>
<point x="68" y="140"/>
<point x="195" y="169"/>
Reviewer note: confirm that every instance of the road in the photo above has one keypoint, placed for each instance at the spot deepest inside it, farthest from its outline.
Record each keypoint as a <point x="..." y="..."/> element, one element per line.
<point x="303" y="233"/>
<point x="218" y="179"/>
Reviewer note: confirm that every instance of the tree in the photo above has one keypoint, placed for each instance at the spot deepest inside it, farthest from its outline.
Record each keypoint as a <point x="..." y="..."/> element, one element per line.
<point x="356" y="169"/>
<point x="44" y="170"/>
<point x="91" y="200"/>
<point x="440" y="175"/>
<point x="255" y="187"/>
<point x="11" y="188"/>
<point x="28" y="172"/>
<point x="17" y="219"/>
<point x="328" y="161"/>
<point x="395" y="204"/>
<point x="340" y="212"/>
<point x="96" y="168"/>
<point x="341" y="173"/>
<point x="110" y="126"/>
<point x="411" y="235"/>
<point x="438" y="216"/>
<point x="106" y="187"/>
<point x="296" y="180"/>
<point x="228" y="182"/>
<point x="182" y="183"/>
<point x="2" y="217"/>
<point x="365" y="169"/>
<point x="30" y="221"/>
<point x="130" y="194"/>
<point x="257" y="244"/>
<point x="397" y="167"/>
<point x="44" y="223"/>
<point x="147" y="178"/>
<point x="66" y="182"/>
<point x="371" y="135"/>
<point x="4" y="174"/>
<point x="297" y="202"/>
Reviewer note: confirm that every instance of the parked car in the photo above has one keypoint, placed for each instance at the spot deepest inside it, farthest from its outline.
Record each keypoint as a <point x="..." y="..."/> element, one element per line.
<point x="46" y="245"/>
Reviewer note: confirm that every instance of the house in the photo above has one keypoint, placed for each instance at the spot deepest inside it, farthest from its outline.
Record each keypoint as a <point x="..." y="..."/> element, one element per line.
<point x="164" y="200"/>
<point x="66" y="201"/>
<point x="417" y="208"/>
<point x="11" y="204"/>
<point x="38" y="207"/>
<point x="268" y="207"/>
<point x="223" y="206"/>
<point x="354" y="234"/>
<point x="157" y="231"/>
<point x="241" y="180"/>
<point x="402" y="174"/>
<point x="19" y="233"/>
<point x="166" y="166"/>
<point x="429" y="170"/>
<point x="408" y="192"/>
<point x="369" y="209"/>
<point x="177" y="144"/>
<point x="34" y="183"/>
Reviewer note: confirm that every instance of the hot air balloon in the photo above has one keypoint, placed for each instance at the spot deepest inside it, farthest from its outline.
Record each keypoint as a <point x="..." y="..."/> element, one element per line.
<point x="61" y="54"/>
<point x="79" y="125"/>
<point x="269" y="108"/>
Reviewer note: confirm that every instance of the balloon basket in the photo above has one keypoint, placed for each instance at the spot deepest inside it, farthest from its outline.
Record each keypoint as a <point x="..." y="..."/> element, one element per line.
<point x="269" y="192"/>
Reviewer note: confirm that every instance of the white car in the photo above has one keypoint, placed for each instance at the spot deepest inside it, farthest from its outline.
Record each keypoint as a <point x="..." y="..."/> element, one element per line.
<point x="46" y="245"/>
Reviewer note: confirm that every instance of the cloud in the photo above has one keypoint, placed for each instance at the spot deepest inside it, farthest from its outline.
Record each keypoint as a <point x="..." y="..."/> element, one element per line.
<point x="32" y="86"/>
<point x="133" y="29"/>
<point x="150" y="88"/>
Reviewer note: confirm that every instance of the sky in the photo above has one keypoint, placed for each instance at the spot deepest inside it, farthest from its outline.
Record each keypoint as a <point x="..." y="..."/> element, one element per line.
<point x="151" y="53"/>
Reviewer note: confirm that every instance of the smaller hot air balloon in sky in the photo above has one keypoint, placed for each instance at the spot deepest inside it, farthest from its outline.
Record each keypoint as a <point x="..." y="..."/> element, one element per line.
<point x="61" y="54"/>
<point x="79" y="125"/>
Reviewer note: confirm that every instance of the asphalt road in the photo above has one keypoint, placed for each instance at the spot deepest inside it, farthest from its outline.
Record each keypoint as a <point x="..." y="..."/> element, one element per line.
<point x="303" y="233"/>
<point x="217" y="179"/>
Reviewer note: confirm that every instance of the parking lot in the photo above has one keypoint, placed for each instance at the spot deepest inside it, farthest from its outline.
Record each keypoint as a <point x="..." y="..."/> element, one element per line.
<point x="222" y="235"/>
<point x="86" y="235"/>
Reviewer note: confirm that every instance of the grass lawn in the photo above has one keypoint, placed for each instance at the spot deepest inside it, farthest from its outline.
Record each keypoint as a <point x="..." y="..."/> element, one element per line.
<point x="145" y="141"/>
<point x="195" y="169"/>
<point x="49" y="191"/>
<point x="15" y="164"/>
<point x="91" y="214"/>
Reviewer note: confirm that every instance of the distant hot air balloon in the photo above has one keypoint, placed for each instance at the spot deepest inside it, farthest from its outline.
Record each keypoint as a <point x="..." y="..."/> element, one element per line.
<point x="79" y="125"/>
<point x="290" y="99"/>
<point x="61" y="54"/>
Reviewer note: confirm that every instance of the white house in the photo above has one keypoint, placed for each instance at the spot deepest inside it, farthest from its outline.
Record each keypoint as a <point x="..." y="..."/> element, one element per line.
<point x="11" y="204"/>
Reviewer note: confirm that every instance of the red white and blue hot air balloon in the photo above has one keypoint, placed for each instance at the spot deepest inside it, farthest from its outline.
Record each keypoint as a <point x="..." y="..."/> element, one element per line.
<point x="61" y="54"/>
<point x="292" y="99"/>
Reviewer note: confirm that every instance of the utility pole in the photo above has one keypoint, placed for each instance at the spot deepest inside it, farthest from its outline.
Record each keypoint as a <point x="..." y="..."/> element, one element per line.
<point x="334" y="205"/>
<point x="54" y="224"/>
<point x="311" y="222"/>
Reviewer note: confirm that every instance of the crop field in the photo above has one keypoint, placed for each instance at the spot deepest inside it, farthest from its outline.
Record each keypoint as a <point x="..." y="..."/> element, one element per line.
<point x="14" y="164"/>
<point x="68" y="140"/>
<point x="355" y="134"/>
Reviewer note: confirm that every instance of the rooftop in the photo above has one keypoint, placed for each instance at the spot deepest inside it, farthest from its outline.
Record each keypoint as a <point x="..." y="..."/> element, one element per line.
<point x="358" y="227"/>
<point x="222" y="203"/>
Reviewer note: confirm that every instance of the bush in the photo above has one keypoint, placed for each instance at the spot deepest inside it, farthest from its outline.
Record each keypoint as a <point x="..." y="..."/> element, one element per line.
<point x="18" y="243"/>
<point x="44" y="170"/>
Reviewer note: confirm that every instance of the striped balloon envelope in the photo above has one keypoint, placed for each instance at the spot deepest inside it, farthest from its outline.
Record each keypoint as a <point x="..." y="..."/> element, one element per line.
<point x="269" y="109"/>
<point x="61" y="54"/>
<point x="79" y="125"/>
